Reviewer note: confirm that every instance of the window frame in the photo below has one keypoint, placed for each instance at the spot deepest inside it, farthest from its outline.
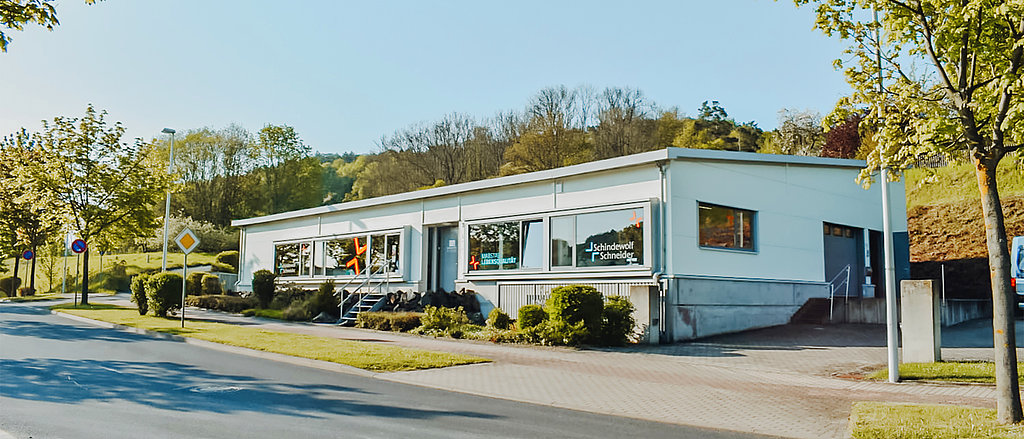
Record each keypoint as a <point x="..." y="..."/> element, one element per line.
<point x="319" y="254"/>
<point x="754" y="226"/>
<point x="648" y="253"/>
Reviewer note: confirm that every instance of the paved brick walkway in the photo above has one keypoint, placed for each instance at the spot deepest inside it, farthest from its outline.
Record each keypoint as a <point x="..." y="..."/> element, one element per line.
<point x="776" y="381"/>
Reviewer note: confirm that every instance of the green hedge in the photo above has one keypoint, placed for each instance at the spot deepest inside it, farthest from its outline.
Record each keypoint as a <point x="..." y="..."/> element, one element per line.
<point x="221" y="302"/>
<point x="263" y="286"/>
<point x="138" y="288"/>
<point x="194" y="283"/>
<point x="571" y="304"/>
<point x="229" y="259"/>
<point x="389" y="321"/>
<point x="163" y="293"/>
<point x="531" y="315"/>
<point x="9" y="286"/>
<point x="498" y="319"/>
<point x="617" y="321"/>
<point x="211" y="285"/>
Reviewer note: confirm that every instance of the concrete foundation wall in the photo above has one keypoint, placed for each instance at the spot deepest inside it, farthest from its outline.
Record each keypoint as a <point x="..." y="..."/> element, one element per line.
<point x="700" y="307"/>
<point x="955" y="311"/>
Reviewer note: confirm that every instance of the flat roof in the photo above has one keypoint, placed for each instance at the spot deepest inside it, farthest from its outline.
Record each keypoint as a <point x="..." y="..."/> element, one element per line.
<point x="567" y="171"/>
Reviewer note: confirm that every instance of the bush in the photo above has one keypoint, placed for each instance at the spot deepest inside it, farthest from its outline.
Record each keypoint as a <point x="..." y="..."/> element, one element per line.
<point x="222" y="268"/>
<point x="194" y="283"/>
<point x="389" y="321"/>
<point x="138" y="288"/>
<point x="299" y="310"/>
<point x="163" y="293"/>
<point x="531" y="315"/>
<point x="117" y="278"/>
<point x="229" y="258"/>
<point x="263" y="286"/>
<point x="9" y="286"/>
<point x="498" y="319"/>
<point x="221" y="302"/>
<point x="26" y="291"/>
<point x="557" y="333"/>
<point x="211" y="285"/>
<point x="576" y="303"/>
<point x="324" y="300"/>
<point x="443" y="321"/>
<point x="617" y="321"/>
<point x="283" y="297"/>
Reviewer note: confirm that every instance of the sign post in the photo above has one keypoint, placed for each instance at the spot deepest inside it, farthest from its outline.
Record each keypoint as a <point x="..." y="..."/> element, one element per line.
<point x="78" y="246"/>
<point x="187" y="241"/>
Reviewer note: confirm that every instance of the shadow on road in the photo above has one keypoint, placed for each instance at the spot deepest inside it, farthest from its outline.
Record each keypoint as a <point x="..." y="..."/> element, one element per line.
<point x="181" y="387"/>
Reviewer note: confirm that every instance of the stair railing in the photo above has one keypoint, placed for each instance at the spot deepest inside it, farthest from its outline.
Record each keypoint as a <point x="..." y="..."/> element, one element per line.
<point x="834" y="284"/>
<point x="382" y="268"/>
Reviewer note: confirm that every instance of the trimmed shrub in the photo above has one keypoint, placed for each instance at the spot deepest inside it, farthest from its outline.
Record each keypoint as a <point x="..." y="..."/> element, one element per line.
<point x="498" y="319"/>
<point x="556" y="333"/>
<point x="221" y="302"/>
<point x="9" y="285"/>
<point x="229" y="258"/>
<point x="617" y="321"/>
<point x="194" y="283"/>
<point x="139" y="293"/>
<point x="389" y="321"/>
<point x="263" y="286"/>
<point x="163" y="293"/>
<point x="443" y="321"/>
<point x="223" y="268"/>
<point x="531" y="315"/>
<point x="26" y="291"/>
<point x="211" y="285"/>
<point x="576" y="303"/>
<point x="117" y="278"/>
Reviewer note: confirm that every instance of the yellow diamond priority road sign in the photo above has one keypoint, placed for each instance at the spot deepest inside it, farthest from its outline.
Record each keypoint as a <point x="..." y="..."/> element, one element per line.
<point x="187" y="240"/>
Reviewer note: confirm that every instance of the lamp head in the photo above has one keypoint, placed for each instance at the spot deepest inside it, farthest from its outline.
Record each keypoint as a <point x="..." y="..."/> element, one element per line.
<point x="167" y="131"/>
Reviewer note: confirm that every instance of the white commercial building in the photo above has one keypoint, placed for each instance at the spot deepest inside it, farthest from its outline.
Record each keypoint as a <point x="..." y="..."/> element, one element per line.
<point x="704" y="242"/>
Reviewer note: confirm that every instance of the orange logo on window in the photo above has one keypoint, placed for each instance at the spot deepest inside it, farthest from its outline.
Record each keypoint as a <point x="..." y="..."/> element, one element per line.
<point x="636" y="220"/>
<point x="474" y="263"/>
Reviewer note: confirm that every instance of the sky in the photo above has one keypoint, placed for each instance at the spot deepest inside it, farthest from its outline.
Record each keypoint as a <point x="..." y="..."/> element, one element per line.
<point x="344" y="74"/>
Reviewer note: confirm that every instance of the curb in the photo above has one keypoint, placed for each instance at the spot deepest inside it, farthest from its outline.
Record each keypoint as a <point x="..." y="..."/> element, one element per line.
<point x="298" y="361"/>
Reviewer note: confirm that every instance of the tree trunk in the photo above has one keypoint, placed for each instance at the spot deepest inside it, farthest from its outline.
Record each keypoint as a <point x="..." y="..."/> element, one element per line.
<point x="1004" y="299"/>
<point x="32" y="277"/>
<point x="85" y="277"/>
<point x="17" y="259"/>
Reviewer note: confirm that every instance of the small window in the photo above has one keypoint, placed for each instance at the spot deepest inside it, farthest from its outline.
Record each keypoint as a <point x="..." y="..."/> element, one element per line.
<point x="494" y="246"/>
<point x="828" y="230"/>
<point x="563" y="240"/>
<point x="727" y="227"/>
<point x="533" y="244"/>
<point x="286" y="259"/>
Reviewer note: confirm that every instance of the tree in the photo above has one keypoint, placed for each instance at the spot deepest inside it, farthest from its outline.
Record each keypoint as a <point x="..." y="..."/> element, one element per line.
<point x="950" y="75"/>
<point x="14" y="14"/>
<point x="290" y="174"/>
<point x="100" y="183"/>
<point x="843" y="140"/>
<point x="799" y="133"/>
<point x="713" y="129"/>
<point x="623" y="127"/>
<point x="554" y="135"/>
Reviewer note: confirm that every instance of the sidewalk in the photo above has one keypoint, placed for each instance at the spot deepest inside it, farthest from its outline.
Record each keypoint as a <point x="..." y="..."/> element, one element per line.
<point x="775" y="382"/>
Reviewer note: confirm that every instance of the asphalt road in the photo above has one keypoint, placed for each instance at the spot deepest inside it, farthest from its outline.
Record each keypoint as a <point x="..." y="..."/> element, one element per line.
<point x="64" y="379"/>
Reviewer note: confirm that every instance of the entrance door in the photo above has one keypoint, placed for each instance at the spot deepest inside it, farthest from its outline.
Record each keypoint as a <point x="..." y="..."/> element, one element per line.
<point x="443" y="266"/>
<point x="844" y="247"/>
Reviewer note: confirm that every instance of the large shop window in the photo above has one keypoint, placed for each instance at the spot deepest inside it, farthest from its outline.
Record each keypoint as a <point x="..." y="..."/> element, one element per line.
<point x="598" y="239"/>
<point x="293" y="259"/>
<point x="352" y="255"/>
<point x="508" y="245"/>
<point x="726" y="227"/>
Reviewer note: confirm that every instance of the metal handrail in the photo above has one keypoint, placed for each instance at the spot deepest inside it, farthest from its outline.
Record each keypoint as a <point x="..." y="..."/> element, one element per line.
<point x="833" y="286"/>
<point x="366" y="280"/>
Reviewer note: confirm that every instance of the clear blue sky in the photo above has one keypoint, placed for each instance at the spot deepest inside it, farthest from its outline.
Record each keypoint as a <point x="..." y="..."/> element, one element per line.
<point x="346" y="73"/>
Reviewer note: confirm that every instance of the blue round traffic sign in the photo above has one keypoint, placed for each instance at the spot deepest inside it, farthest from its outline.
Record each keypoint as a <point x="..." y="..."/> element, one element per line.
<point x="28" y="255"/>
<point x="78" y="246"/>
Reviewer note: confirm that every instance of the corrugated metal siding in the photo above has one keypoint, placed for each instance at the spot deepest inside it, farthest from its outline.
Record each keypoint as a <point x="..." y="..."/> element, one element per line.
<point x="512" y="296"/>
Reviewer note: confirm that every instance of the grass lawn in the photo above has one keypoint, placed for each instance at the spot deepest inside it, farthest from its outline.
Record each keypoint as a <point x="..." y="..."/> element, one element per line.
<point x="266" y="313"/>
<point x="877" y="420"/>
<point x="953" y="183"/>
<point x="963" y="372"/>
<point x="50" y="296"/>
<point x="50" y="270"/>
<point x="369" y="356"/>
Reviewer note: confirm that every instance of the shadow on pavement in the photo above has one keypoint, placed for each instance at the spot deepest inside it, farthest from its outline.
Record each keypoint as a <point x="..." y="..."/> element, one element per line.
<point x="181" y="387"/>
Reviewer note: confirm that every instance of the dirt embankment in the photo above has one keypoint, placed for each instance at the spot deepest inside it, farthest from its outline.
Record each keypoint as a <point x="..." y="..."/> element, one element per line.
<point x="953" y="234"/>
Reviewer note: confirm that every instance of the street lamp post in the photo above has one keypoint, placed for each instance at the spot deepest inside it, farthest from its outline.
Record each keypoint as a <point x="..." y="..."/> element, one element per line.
<point x="167" y="206"/>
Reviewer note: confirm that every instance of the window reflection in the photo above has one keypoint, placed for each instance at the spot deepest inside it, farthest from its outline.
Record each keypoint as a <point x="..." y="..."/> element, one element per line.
<point x="727" y="227"/>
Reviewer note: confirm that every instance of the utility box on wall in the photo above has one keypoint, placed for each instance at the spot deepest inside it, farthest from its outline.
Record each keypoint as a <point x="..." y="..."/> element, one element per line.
<point x="648" y="312"/>
<point x="920" y="321"/>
